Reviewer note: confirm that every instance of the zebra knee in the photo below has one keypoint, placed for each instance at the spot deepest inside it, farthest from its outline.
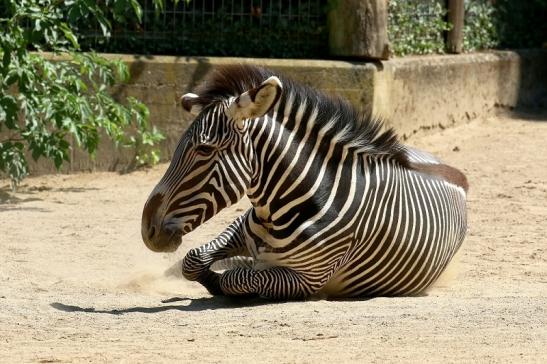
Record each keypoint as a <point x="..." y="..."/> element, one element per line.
<point x="194" y="264"/>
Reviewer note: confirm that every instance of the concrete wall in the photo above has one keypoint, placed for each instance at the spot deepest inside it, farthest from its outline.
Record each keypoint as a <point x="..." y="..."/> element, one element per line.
<point x="412" y="94"/>
<point x="417" y="93"/>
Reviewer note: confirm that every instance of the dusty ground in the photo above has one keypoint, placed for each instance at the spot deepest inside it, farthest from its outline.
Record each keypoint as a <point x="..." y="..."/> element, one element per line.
<point x="78" y="285"/>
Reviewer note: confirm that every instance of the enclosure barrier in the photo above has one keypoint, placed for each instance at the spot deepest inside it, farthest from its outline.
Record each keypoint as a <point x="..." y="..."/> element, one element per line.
<point x="411" y="93"/>
<point x="315" y="29"/>
<point x="359" y="28"/>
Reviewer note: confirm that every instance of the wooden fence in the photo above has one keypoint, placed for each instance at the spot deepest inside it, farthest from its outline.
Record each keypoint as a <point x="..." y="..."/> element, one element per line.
<point x="359" y="28"/>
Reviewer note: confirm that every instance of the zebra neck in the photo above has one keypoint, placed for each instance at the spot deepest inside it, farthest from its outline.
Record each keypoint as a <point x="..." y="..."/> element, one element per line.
<point x="289" y="150"/>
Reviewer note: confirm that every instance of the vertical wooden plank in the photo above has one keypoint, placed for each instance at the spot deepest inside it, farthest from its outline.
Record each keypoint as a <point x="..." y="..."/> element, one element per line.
<point x="454" y="40"/>
<point x="358" y="29"/>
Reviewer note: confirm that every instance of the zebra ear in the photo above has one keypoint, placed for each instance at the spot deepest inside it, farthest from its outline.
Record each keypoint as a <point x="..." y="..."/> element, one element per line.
<point x="258" y="101"/>
<point x="190" y="102"/>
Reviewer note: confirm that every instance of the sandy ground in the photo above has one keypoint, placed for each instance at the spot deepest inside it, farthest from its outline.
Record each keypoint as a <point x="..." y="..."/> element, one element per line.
<point x="78" y="285"/>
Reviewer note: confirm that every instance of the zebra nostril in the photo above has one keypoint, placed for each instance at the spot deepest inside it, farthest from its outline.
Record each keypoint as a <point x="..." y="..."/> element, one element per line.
<point x="151" y="232"/>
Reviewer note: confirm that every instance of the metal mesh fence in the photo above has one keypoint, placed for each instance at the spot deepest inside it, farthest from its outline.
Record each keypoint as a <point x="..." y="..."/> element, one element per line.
<point x="417" y="26"/>
<point x="480" y="25"/>
<point x="260" y="28"/>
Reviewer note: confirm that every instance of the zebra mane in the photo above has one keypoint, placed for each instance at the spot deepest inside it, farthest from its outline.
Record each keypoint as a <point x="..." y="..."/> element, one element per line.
<point x="357" y="129"/>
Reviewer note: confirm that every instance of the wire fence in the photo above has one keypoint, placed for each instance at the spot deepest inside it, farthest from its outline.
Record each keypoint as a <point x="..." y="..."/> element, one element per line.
<point x="420" y="26"/>
<point x="417" y="26"/>
<point x="298" y="28"/>
<point x="263" y="28"/>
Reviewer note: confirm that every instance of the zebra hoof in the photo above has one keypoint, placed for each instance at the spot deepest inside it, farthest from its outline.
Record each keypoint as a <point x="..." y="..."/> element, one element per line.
<point x="211" y="281"/>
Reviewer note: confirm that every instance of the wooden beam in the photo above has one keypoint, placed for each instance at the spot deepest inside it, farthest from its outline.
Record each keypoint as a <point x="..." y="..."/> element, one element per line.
<point x="454" y="39"/>
<point x="358" y="29"/>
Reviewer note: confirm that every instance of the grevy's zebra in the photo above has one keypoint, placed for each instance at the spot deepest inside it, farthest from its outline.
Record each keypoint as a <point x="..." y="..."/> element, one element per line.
<point x="339" y="207"/>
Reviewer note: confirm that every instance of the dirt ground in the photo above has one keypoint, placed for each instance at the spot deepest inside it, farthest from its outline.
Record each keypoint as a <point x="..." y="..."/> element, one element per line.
<point x="78" y="285"/>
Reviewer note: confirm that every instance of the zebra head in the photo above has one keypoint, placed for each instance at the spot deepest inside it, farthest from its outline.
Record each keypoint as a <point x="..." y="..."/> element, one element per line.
<point x="212" y="166"/>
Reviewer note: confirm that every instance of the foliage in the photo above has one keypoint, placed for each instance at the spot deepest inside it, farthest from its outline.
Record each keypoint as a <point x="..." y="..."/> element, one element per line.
<point x="504" y="24"/>
<point x="479" y="30"/>
<point x="45" y="103"/>
<point x="416" y="27"/>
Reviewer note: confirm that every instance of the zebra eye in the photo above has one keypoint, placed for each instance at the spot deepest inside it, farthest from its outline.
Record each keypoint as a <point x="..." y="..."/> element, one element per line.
<point x="203" y="149"/>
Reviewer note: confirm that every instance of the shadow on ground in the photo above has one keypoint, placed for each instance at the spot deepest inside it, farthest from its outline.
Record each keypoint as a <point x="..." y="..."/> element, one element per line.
<point x="191" y="305"/>
<point x="12" y="201"/>
<point x="27" y="194"/>
<point x="530" y="114"/>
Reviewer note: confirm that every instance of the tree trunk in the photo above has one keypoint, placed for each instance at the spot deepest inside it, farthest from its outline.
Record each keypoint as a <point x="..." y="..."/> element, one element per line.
<point x="454" y="39"/>
<point x="358" y="29"/>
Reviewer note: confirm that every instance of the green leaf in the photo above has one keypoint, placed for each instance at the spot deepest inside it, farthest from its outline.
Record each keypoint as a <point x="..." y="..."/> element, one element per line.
<point x="104" y="23"/>
<point x="137" y="9"/>
<point x="64" y="99"/>
<point x="69" y="35"/>
<point x="158" y="5"/>
<point x="8" y="111"/>
<point x="122" y="71"/>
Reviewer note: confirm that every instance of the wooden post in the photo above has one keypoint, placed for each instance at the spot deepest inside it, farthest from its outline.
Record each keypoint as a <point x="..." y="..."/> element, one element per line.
<point x="454" y="39"/>
<point x="358" y="29"/>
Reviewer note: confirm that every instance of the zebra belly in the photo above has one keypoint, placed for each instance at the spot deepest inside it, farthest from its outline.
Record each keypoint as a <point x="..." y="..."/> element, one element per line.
<point x="405" y="269"/>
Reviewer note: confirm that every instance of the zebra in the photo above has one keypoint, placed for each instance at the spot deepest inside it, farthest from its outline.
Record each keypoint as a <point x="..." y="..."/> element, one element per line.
<point x="340" y="207"/>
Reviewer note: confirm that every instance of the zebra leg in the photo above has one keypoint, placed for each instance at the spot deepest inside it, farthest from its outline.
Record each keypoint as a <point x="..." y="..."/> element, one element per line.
<point x="275" y="283"/>
<point x="196" y="265"/>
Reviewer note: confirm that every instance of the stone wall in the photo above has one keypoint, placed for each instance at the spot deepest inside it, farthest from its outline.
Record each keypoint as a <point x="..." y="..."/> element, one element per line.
<point x="416" y="93"/>
<point x="411" y="94"/>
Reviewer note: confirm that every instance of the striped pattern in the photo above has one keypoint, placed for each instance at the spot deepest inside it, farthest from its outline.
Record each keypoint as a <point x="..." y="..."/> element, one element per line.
<point x="338" y="206"/>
